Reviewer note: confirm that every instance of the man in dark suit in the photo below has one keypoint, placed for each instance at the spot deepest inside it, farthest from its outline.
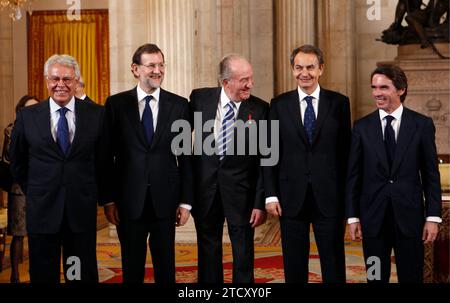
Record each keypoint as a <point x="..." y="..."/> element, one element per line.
<point x="80" y="93"/>
<point x="392" y="168"/>
<point x="151" y="188"/>
<point x="307" y="184"/>
<point x="54" y="155"/>
<point x="228" y="184"/>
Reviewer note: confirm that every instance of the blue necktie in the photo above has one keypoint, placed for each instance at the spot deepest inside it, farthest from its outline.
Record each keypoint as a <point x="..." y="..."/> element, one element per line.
<point x="309" y="121"/>
<point x="226" y="131"/>
<point x="389" y="139"/>
<point x="147" y="120"/>
<point x="62" y="133"/>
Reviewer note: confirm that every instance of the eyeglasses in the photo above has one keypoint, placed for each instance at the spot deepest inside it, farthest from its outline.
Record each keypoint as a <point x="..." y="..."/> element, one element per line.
<point x="152" y="66"/>
<point x="65" y="80"/>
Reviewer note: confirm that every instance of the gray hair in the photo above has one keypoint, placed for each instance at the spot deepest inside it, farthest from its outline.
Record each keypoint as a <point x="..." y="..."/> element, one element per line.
<point x="64" y="60"/>
<point x="225" y="72"/>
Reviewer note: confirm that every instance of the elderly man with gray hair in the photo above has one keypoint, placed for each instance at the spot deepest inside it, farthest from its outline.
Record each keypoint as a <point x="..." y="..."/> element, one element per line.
<point x="54" y="156"/>
<point x="228" y="184"/>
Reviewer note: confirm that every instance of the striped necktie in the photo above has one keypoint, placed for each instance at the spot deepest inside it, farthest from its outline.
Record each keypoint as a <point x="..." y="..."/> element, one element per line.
<point x="226" y="131"/>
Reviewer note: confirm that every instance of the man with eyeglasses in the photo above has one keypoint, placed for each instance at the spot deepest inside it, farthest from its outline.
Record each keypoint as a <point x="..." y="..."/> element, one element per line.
<point x="150" y="187"/>
<point x="55" y="158"/>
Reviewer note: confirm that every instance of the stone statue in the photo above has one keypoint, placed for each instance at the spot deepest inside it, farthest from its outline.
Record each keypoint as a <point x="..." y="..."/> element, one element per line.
<point x="424" y="24"/>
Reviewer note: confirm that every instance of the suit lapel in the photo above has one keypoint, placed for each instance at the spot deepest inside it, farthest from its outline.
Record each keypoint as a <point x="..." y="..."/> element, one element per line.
<point x="294" y="112"/>
<point x="211" y="105"/>
<point x="244" y="114"/>
<point x="405" y="134"/>
<point x="165" y="106"/>
<point x="42" y="120"/>
<point x="324" y="107"/>
<point x="376" y="138"/>
<point x="81" y="124"/>
<point x="132" y="110"/>
<point x="210" y="110"/>
<point x="245" y="111"/>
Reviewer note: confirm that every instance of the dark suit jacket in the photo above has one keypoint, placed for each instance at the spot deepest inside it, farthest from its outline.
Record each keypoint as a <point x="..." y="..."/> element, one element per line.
<point x="237" y="178"/>
<point x="133" y="164"/>
<point x="55" y="184"/>
<point x="323" y="163"/>
<point x="89" y="100"/>
<point x="414" y="174"/>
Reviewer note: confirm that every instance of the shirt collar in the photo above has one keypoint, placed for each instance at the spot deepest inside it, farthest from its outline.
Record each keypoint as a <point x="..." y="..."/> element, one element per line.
<point x="55" y="107"/>
<point x="315" y="93"/>
<point x="397" y="114"/>
<point x="224" y="100"/>
<point x="142" y="94"/>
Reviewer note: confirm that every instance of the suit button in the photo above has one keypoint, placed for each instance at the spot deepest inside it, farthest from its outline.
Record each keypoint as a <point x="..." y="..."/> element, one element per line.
<point x="391" y="181"/>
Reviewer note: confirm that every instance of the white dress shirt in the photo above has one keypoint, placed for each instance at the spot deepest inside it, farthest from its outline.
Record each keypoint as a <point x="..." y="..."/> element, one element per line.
<point x="397" y="114"/>
<point x="154" y="104"/>
<point x="70" y="116"/>
<point x="303" y="105"/>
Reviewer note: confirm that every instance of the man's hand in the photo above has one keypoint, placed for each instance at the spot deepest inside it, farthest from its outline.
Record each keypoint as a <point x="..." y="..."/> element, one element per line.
<point x="355" y="231"/>
<point x="258" y="217"/>
<point x="112" y="214"/>
<point x="274" y="208"/>
<point x="430" y="232"/>
<point x="182" y="216"/>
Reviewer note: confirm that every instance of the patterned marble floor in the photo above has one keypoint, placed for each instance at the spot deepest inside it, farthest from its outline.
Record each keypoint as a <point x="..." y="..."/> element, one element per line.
<point x="268" y="257"/>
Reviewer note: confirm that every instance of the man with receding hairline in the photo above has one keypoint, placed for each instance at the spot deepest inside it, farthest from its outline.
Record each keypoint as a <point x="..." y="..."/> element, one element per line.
<point x="228" y="185"/>
<point x="150" y="187"/>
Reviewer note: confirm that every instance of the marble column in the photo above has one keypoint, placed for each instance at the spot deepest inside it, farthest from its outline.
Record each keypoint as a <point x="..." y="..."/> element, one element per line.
<point x="231" y="26"/>
<point x="170" y="24"/>
<point x="206" y="50"/>
<point x="127" y="31"/>
<point x="167" y="23"/>
<point x="337" y="39"/>
<point x="295" y="25"/>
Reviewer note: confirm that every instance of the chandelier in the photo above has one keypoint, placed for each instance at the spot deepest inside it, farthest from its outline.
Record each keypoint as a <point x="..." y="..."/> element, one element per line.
<point x="16" y="7"/>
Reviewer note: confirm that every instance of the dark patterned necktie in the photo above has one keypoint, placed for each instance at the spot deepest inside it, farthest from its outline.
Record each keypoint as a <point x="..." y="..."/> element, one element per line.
<point x="147" y="120"/>
<point x="62" y="133"/>
<point x="309" y="120"/>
